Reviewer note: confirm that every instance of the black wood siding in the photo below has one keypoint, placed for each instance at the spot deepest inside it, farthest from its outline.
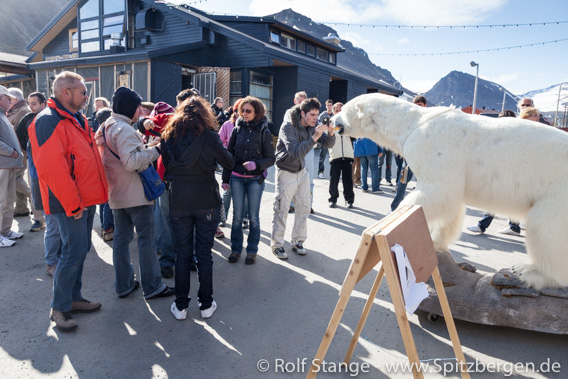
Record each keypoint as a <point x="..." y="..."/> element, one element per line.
<point x="259" y="31"/>
<point x="285" y="86"/>
<point x="60" y="44"/>
<point x="315" y="83"/>
<point x="166" y="81"/>
<point x="355" y="89"/>
<point x="176" y="32"/>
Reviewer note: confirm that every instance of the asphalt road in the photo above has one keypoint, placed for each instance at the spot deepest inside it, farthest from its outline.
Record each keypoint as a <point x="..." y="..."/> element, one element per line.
<point x="271" y="316"/>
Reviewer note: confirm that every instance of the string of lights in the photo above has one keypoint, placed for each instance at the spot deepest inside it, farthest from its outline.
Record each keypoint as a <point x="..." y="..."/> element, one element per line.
<point x="547" y="23"/>
<point x="468" y="51"/>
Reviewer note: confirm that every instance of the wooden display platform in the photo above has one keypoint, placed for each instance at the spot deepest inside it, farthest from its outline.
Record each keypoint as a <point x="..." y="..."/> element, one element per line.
<point x="407" y="227"/>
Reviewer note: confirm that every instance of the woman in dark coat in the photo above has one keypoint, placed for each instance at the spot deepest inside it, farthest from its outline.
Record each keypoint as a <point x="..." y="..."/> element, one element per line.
<point x="251" y="146"/>
<point x="191" y="150"/>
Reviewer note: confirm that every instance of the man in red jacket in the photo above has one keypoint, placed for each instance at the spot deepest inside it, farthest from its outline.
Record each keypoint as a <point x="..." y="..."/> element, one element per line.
<point x="72" y="181"/>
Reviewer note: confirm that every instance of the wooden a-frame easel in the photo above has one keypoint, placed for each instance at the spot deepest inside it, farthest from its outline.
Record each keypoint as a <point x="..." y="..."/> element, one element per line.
<point x="407" y="227"/>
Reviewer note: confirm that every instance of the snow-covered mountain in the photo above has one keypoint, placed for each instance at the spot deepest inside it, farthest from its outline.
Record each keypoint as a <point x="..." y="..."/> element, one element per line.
<point x="457" y="88"/>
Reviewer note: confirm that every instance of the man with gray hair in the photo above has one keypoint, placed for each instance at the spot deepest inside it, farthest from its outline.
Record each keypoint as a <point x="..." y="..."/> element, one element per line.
<point x="71" y="181"/>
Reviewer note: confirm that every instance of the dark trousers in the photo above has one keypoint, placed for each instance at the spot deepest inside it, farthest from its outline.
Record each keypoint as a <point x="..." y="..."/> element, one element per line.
<point x="341" y="167"/>
<point x="387" y="156"/>
<point x="204" y="222"/>
<point x="399" y="160"/>
<point x="488" y="218"/>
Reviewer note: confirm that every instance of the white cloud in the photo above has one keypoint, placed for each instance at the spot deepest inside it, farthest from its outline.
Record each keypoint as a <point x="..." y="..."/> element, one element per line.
<point x="419" y="86"/>
<point x="403" y="41"/>
<point x="503" y="79"/>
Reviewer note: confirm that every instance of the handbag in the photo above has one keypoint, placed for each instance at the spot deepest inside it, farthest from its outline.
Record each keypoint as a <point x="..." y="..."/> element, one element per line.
<point x="151" y="182"/>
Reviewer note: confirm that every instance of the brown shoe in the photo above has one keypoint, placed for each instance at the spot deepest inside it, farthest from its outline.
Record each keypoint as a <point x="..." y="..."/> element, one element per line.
<point x="63" y="320"/>
<point x="85" y="306"/>
<point x="50" y="269"/>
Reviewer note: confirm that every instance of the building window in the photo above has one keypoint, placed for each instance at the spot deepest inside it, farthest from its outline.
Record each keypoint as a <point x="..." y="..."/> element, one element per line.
<point x="288" y="41"/>
<point x="98" y="20"/>
<point x="236" y="88"/>
<point x="274" y="37"/>
<point x="331" y="57"/>
<point x="261" y="87"/>
<point x="321" y="54"/>
<point x="301" y="46"/>
<point x="311" y="50"/>
<point x="73" y="40"/>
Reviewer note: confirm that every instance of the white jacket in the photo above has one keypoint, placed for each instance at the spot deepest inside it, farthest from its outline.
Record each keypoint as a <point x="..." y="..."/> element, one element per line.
<point x="343" y="148"/>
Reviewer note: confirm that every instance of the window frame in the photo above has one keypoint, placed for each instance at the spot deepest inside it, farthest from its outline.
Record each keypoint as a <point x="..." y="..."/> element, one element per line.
<point x="70" y="34"/>
<point x="104" y="40"/>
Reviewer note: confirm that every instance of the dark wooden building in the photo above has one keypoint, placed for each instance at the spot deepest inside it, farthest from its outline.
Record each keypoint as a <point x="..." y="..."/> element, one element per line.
<point x="158" y="49"/>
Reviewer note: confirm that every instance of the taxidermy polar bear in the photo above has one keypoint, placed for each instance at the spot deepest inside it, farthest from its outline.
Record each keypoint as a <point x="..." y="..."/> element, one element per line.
<point x="508" y="166"/>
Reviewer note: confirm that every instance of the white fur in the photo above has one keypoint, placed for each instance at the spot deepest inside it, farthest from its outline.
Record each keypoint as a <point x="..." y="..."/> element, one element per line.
<point x="513" y="167"/>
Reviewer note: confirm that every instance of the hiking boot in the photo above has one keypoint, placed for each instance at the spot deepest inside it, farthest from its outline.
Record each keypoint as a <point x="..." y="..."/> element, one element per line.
<point x="207" y="313"/>
<point x="179" y="314"/>
<point x="63" y="320"/>
<point x="280" y="253"/>
<point x="37" y="226"/>
<point x="50" y="269"/>
<point x="250" y="259"/>
<point x="299" y="249"/>
<point x="234" y="257"/>
<point x="12" y="235"/>
<point x="85" y="306"/>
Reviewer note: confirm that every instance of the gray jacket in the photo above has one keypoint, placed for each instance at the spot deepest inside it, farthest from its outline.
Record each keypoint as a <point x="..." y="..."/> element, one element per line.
<point x="295" y="142"/>
<point x="9" y="143"/>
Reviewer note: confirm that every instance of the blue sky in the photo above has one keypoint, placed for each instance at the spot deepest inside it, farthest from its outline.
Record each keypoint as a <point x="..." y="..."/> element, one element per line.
<point x="519" y="70"/>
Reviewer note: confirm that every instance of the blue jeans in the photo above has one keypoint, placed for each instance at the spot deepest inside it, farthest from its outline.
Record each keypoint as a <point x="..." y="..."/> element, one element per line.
<point x="168" y="257"/>
<point x="52" y="241"/>
<point x="400" y="191"/>
<point x="366" y="161"/>
<point x="227" y="201"/>
<point x="105" y="213"/>
<point x="76" y="240"/>
<point x="387" y="156"/>
<point x="125" y="220"/>
<point x="204" y="222"/>
<point x="250" y="189"/>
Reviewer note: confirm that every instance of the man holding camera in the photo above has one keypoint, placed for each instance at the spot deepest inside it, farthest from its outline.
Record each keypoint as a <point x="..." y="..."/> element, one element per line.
<point x="298" y="136"/>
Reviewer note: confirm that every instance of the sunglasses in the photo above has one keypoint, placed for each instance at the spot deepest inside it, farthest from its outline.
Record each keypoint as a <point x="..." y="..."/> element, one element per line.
<point x="525" y="105"/>
<point x="248" y="110"/>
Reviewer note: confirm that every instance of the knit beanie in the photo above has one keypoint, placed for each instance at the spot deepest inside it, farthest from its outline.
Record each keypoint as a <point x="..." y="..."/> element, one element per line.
<point x="161" y="108"/>
<point x="125" y="102"/>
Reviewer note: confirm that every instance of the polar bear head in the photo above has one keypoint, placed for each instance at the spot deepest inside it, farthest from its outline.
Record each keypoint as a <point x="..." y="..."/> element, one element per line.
<point x="378" y="117"/>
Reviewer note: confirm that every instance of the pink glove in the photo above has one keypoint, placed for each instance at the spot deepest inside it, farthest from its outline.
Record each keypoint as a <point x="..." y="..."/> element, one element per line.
<point x="225" y="186"/>
<point x="250" y="165"/>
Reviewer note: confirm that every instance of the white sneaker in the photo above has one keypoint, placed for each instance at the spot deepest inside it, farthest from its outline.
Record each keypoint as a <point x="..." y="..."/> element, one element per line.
<point x="12" y="235"/>
<point x="321" y="175"/>
<point x="299" y="249"/>
<point x="5" y="242"/>
<point x="509" y="231"/>
<point x="475" y="229"/>
<point x="180" y="315"/>
<point x="207" y="313"/>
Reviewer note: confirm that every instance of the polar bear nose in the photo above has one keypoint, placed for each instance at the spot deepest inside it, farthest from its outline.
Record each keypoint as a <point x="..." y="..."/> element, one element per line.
<point x="339" y="129"/>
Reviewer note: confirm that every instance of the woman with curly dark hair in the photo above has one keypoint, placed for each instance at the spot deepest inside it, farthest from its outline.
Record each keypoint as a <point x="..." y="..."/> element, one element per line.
<point x="251" y="146"/>
<point x="190" y="150"/>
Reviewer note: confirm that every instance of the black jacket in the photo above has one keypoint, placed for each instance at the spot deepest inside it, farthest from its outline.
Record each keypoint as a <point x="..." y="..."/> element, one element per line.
<point x="250" y="141"/>
<point x="191" y="173"/>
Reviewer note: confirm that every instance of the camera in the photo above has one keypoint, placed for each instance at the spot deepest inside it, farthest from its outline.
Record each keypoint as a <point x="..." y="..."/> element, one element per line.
<point x="325" y="120"/>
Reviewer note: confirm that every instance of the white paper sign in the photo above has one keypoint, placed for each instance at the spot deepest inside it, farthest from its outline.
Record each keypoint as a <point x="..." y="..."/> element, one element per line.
<point x="412" y="292"/>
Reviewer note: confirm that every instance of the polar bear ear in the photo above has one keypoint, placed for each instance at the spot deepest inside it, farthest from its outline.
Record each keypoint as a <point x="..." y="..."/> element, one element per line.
<point x="360" y="110"/>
